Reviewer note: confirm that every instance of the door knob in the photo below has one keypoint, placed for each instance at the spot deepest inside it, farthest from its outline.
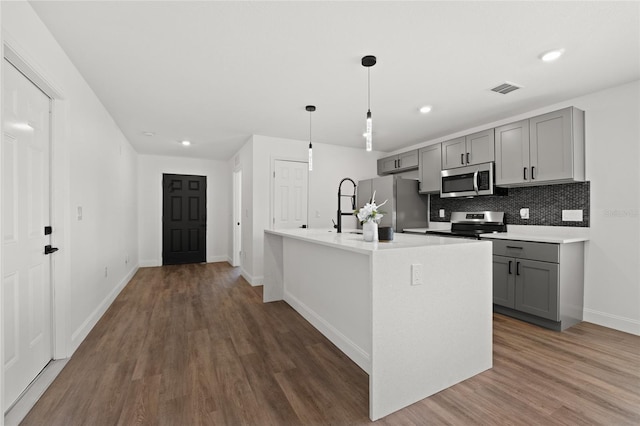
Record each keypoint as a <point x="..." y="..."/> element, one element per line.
<point x="48" y="249"/>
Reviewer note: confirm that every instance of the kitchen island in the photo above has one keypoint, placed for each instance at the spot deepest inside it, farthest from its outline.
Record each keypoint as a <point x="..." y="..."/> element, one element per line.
<point x="414" y="313"/>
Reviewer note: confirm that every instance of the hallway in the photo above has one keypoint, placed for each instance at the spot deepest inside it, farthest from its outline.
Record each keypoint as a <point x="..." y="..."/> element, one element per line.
<point x="194" y="344"/>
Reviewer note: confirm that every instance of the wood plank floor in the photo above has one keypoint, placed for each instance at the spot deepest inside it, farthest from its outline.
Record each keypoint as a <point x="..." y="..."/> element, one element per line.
<point x="195" y="345"/>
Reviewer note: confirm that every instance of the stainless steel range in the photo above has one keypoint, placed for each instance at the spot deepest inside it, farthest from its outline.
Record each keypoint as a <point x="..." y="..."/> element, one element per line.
<point x="472" y="224"/>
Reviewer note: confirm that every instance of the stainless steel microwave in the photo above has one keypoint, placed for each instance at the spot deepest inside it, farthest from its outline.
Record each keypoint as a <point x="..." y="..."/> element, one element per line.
<point x="468" y="181"/>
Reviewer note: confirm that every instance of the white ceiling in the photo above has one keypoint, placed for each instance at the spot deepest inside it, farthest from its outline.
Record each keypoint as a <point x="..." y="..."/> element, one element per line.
<point x="217" y="72"/>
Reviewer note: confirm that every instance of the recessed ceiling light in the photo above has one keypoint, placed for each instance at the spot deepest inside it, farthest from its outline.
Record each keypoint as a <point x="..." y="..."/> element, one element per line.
<point x="185" y="143"/>
<point x="551" y="55"/>
<point x="425" y="109"/>
<point x="148" y="133"/>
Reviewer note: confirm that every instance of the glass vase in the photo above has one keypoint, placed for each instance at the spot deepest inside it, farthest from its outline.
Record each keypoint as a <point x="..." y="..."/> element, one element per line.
<point x="370" y="231"/>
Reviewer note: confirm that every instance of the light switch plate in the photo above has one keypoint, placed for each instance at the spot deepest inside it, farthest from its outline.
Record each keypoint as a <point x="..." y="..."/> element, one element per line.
<point x="572" y="215"/>
<point x="416" y="274"/>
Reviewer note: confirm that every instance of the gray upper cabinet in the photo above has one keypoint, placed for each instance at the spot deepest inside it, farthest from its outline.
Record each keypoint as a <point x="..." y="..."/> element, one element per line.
<point x="468" y="150"/>
<point x="480" y="147"/>
<point x="453" y="152"/>
<point x="512" y="153"/>
<point x="429" y="165"/>
<point x="545" y="149"/>
<point x="398" y="163"/>
<point x="387" y="165"/>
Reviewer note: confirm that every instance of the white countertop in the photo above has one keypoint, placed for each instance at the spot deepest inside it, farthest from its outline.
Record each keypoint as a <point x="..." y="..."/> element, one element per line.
<point x="355" y="242"/>
<point x="541" y="234"/>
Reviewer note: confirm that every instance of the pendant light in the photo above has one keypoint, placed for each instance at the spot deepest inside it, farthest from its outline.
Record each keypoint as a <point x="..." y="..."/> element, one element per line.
<point x="369" y="61"/>
<point x="310" y="108"/>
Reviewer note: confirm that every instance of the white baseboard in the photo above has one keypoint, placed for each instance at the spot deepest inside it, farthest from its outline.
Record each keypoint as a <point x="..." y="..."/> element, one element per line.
<point x="81" y="333"/>
<point x="616" y="322"/>
<point x="214" y="259"/>
<point x="253" y="281"/>
<point x="147" y="263"/>
<point x="346" y="345"/>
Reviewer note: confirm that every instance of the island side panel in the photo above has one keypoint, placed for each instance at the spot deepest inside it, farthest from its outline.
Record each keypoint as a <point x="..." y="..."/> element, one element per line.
<point x="331" y="289"/>
<point x="273" y="284"/>
<point x="428" y="337"/>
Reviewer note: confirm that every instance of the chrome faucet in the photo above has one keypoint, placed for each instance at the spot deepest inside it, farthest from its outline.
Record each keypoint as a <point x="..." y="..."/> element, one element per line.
<point x="338" y="226"/>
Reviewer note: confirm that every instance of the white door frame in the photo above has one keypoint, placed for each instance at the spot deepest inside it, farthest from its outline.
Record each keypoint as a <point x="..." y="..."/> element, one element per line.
<point x="59" y="191"/>
<point x="236" y="258"/>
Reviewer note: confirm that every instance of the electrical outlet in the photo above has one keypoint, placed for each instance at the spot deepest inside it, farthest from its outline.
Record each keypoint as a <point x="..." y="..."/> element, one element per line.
<point x="416" y="274"/>
<point x="441" y="213"/>
<point x="572" y="215"/>
<point x="524" y="213"/>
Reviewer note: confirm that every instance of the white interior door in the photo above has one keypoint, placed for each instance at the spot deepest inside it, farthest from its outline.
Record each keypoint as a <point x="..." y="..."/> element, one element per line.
<point x="26" y="281"/>
<point x="290" y="194"/>
<point x="237" y="217"/>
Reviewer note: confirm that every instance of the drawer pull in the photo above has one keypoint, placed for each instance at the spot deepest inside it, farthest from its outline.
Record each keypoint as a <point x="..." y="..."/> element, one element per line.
<point x="514" y="247"/>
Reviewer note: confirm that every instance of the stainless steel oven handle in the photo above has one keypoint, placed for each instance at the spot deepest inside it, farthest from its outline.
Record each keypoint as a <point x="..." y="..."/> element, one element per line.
<point x="475" y="181"/>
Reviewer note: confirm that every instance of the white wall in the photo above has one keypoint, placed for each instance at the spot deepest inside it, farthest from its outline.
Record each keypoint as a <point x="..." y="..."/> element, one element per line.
<point x="612" y="256"/>
<point x="150" y="170"/>
<point x="331" y="163"/>
<point x="94" y="167"/>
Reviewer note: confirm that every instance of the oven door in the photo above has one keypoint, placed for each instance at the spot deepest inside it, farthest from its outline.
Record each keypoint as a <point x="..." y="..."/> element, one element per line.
<point x="468" y="181"/>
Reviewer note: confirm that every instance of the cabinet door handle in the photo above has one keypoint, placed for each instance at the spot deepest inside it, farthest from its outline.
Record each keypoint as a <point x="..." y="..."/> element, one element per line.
<point x="517" y="268"/>
<point x="533" y="175"/>
<point x="461" y="158"/>
<point x="467" y="158"/>
<point x="510" y="262"/>
<point x="525" y="173"/>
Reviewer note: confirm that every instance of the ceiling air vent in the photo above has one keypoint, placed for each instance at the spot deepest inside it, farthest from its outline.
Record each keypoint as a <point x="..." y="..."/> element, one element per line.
<point x="506" y="87"/>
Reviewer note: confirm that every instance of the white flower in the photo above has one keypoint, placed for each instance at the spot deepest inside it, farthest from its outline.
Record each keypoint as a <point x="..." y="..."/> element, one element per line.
<point x="370" y="211"/>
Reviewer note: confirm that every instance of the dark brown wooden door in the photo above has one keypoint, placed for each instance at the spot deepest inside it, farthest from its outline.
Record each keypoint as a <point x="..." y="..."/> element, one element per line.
<point x="184" y="223"/>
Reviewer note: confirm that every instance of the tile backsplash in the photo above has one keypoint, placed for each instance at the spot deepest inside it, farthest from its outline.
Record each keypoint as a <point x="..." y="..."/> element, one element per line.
<point x="545" y="204"/>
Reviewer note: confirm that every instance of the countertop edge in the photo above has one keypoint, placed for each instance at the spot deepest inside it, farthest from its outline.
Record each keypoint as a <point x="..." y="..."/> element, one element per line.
<point x="535" y="238"/>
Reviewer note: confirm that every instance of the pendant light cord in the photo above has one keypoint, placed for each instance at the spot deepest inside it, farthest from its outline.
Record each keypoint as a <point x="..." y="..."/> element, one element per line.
<point x="369" y="88"/>
<point x="309" y="127"/>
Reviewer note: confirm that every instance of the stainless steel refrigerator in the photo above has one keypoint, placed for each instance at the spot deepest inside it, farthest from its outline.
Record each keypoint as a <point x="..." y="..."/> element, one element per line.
<point x="405" y="208"/>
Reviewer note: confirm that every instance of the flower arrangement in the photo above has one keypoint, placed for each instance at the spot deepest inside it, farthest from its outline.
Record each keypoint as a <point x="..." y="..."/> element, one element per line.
<point x="370" y="212"/>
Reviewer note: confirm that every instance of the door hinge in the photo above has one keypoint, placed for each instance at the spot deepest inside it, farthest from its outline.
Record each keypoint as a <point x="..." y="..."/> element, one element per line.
<point x="274" y="174"/>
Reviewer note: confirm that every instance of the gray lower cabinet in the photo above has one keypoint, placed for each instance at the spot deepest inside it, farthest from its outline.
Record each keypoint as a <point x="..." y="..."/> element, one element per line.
<point x="537" y="288"/>
<point x="429" y="165"/>
<point x="398" y="163"/>
<point x="542" y="283"/>
<point x="504" y="281"/>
